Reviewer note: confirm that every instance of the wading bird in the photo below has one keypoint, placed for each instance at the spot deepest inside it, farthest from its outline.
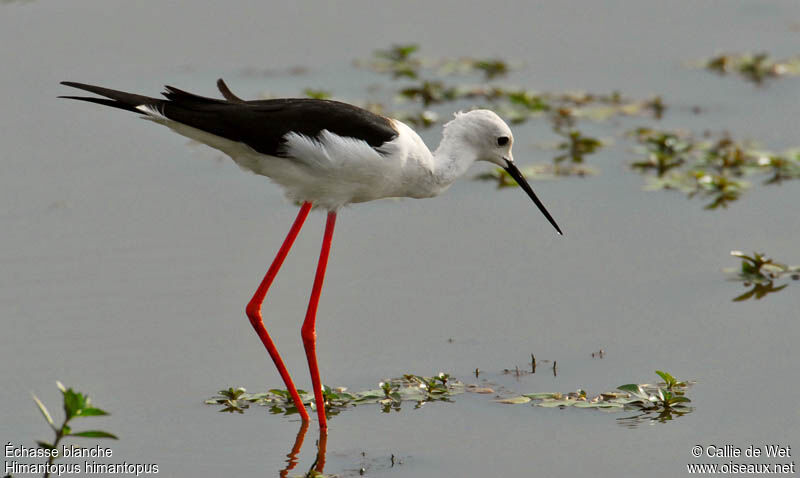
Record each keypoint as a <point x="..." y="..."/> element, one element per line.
<point x="325" y="154"/>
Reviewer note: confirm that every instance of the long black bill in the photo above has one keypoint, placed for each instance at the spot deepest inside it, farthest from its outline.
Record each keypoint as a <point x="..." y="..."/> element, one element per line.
<point x="520" y="179"/>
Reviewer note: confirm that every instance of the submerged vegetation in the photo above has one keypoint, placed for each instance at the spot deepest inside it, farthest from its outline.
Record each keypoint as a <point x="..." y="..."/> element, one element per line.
<point x="759" y="273"/>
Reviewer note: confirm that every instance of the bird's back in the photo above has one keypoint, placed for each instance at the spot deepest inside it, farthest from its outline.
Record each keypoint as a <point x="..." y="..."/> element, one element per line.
<point x="323" y="151"/>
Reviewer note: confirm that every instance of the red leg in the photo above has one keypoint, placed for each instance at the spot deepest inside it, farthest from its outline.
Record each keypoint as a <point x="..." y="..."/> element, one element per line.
<point x="309" y="330"/>
<point x="254" y="308"/>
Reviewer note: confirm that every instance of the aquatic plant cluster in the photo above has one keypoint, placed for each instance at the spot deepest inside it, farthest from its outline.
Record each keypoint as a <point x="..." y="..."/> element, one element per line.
<point x="75" y="405"/>
<point x="428" y="83"/>
<point x="663" y="399"/>
<point x="389" y="395"/>
<point x="755" y="67"/>
<point x="712" y="168"/>
<point x="760" y="273"/>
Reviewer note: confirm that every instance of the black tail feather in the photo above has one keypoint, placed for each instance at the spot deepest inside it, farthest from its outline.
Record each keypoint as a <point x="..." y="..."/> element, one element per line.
<point x="180" y="96"/>
<point x="227" y="93"/>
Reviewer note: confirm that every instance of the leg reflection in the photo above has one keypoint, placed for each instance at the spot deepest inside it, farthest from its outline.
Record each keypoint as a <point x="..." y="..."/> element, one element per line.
<point x="298" y="444"/>
<point x="319" y="463"/>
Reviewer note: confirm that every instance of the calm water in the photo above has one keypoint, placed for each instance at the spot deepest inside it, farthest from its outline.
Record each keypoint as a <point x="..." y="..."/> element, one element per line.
<point x="127" y="256"/>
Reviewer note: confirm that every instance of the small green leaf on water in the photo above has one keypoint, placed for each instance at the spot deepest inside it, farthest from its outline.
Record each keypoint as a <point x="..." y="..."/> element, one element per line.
<point x="514" y="400"/>
<point x="541" y="396"/>
<point x="680" y="399"/>
<point x="631" y="387"/>
<point x="668" y="379"/>
<point x="550" y="403"/>
<point x="484" y="390"/>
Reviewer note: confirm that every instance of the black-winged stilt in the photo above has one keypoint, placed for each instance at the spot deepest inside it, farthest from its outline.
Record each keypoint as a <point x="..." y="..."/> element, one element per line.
<point x="326" y="154"/>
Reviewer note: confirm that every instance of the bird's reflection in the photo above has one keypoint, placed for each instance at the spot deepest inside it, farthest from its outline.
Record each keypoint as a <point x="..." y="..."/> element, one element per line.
<point x="291" y="458"/>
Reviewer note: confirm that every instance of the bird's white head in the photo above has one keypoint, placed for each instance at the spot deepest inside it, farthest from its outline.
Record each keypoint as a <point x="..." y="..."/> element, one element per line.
<point x="484" y="136"/>
<point x="484" y="133"/>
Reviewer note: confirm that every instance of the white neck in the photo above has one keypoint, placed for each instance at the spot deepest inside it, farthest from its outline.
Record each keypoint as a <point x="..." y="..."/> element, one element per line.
<point x="452" y="159"/>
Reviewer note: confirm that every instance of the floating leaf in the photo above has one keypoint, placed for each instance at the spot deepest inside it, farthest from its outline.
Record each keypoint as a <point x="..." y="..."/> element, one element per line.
<point x="514" y="400"/>
<point x="550" y="403"/>
<point x="541" y="396"/>
<point x="631" y="387"/>
<point x="483" y="390"/>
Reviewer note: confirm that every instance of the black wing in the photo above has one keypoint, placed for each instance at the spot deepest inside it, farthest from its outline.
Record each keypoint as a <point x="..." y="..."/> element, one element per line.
<point x="261" y="124"/>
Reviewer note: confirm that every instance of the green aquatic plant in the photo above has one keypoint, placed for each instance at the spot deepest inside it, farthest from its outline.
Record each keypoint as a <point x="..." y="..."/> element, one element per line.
<point x="400" y="61"/>
<point x="709" y="168"/>
<point x="434" y="84"/>
<point x="397" y="60"/>
<point x="759" y="267"/>
<point x="76" y="405"/>
<point x="390" y="395"/>
<point x="491" y="68"/>
<point x="760" y="272"/>
<point x="669" y="381"/>
<point x="430" y="92"/>
<point x="419" y="119"/>
<point x="660" y="401"/>
<point x="720" y="188"/>
<point x="753" y="67"/>
<point x="650" y="398"/>
<point x="575" y="146"/>
<point x="663" y="150"/>
<point x="779" y="167"/>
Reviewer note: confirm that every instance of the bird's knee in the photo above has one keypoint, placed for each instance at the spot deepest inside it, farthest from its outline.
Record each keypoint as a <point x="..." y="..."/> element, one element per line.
<point x="308" y="334"/>
<point x="253" y="312"/>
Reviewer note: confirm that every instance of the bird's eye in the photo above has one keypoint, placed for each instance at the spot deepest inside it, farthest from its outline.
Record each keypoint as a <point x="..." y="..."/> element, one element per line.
<point x="502" y="141"/>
